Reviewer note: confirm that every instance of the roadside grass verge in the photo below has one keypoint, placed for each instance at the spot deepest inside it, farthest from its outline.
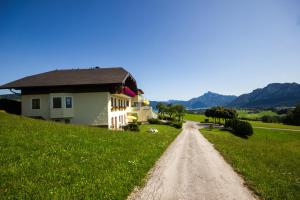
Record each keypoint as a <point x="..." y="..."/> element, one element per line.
<point x="40" y="159"/>
<point x="269" y="160"/>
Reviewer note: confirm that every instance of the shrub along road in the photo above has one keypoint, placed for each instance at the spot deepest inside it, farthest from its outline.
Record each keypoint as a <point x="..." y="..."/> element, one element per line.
<point x="192" y="169"/>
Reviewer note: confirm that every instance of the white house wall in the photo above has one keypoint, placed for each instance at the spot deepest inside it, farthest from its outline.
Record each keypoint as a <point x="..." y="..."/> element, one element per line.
<point x="117" y="113"/>
<point x="90" y="108"/>
<point x="87" y="108"/>
<point x="44" y="110"/>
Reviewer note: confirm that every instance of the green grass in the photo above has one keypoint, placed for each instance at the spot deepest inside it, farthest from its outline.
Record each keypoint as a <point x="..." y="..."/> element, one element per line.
<point x="269" y="160"/>
<point x="255" y="116"/>
<point x="274" y="125"/>
<point x="195" y="117"/>
<point x="56" y="161"/>
<point x="200" y="118"/>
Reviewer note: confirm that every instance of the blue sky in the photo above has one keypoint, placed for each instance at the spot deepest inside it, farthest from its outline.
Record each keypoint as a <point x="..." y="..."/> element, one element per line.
<point x="174" y="49"/>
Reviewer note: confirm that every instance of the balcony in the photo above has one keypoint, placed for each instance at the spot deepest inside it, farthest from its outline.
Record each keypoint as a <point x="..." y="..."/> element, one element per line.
<point x="118" y="108"/>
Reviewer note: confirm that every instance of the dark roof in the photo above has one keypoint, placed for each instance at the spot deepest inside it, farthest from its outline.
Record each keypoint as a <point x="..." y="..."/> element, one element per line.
<point x="72" y="77"/>
<point x="140" y="91"/>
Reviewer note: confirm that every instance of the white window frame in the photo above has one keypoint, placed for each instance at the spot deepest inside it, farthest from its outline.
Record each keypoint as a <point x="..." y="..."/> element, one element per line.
<point x="71" y="102"/>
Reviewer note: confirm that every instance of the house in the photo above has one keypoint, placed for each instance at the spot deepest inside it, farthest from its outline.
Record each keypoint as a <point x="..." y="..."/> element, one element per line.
<point x="95" y="96"/>
<point x="140" y="107"/>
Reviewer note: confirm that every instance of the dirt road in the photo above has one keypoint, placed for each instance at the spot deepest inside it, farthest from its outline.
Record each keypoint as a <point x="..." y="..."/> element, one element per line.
<point x="192" y="169"/>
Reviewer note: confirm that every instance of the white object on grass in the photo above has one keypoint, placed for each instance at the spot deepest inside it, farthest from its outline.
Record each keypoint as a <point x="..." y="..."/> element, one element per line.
<point x="153" y="130"/>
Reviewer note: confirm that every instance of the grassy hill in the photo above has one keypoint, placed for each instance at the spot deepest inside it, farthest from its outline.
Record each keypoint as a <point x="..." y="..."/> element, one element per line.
<point x="42" y="159"/>
<point x="255" y="116"/>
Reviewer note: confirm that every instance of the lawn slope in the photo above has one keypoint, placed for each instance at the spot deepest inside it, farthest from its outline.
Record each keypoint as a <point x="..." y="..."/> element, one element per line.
<point x="269" y="160"/>
<point x="42" y="159"/>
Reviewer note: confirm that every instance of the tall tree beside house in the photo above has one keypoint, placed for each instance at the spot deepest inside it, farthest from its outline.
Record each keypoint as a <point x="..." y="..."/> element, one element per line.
<point x="174" y="111"/>
<point x="171" y="110"/>
<point x="162" y="108"/>
<point x="179" y="111"/>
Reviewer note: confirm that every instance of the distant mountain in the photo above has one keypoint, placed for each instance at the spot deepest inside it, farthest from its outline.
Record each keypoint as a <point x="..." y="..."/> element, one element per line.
<point x="11" y="96"/>
<point x="273" y="95"/>
<point x="208" y="99"/>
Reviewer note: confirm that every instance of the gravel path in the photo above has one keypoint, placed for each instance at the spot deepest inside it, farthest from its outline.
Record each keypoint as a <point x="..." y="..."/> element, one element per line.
<point x="192" y="169"/>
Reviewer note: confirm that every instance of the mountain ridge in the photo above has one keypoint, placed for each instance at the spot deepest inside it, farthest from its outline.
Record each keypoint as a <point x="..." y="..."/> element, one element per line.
<point x="272" y="95"/>
<point x="208" y="99"/>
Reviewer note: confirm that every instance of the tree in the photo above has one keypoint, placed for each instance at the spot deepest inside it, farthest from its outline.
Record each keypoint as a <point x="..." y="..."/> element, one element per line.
<point x="171" y="110"/>
<point x="220" y="113"/>
<point x="162" y="108"/>
<point x="179" y="111"/>
<point x="296" y="115"/>
<point x="293" y="117"/>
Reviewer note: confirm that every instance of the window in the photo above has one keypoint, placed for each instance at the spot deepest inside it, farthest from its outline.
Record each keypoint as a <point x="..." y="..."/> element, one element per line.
<point x="112" y="102"/>
<point x="67" y="121"/>
<point x="69" y="102"/>
<point x="35" y="104"/>
<point x="127" y="103"/>
<point x="56" y="102"/>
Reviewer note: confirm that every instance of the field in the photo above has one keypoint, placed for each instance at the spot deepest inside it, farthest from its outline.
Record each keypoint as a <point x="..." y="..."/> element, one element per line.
<point x="269" y="160"/>
<point x="273" y="125"/>
<point x="200" y="118"/>
<point x="195" y="117"/>
<point x="56" y="161"/>
<point x="255" y="116"/>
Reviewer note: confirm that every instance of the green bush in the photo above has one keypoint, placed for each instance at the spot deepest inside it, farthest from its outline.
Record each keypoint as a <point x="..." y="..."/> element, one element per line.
<point x="177" y="124"/>
<point x="244" y="128"/>
<point x="239" y="127"/>
<point x="160" y="116"/>
<point x="154" y="121"/>
<point x="293" y="117"/>
<point x="270" y="119"/>
<point x="10" y="106"/>
<point x="174" y="123"/>
<point x="132" y="127"/>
